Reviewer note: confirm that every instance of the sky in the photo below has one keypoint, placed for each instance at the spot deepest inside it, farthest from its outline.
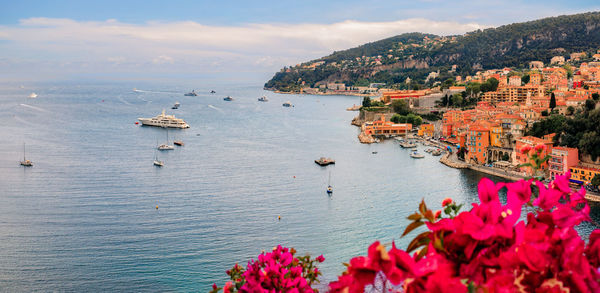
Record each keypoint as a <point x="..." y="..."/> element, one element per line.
<point x="46" y="40"/>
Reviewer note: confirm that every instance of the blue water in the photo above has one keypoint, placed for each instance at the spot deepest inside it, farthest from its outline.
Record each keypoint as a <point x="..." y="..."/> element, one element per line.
<point x="84" y="218"/>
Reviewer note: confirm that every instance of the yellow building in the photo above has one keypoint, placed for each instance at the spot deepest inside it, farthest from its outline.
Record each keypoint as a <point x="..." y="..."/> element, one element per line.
<point x="496" y="136"/>
<point x="426" y="129"/>
<point x="583" y="175"/>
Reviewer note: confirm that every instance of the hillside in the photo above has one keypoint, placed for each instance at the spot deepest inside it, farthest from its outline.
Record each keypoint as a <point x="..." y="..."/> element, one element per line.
<point x="415" y="55"/>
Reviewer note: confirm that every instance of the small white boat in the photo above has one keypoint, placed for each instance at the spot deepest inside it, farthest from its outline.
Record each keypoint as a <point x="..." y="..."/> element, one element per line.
<point x="176" y="106"/>
<point x="33" y="96"/>
<point x="166" y="146"/>
<point x="157" y="162"/>
<point x="263" y="99"/>
<point x="416" y="155"/>
<point x="329" y="188"/>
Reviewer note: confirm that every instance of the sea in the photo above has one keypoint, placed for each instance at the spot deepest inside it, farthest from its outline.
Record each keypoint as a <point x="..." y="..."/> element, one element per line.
<point x="94" y="214"/>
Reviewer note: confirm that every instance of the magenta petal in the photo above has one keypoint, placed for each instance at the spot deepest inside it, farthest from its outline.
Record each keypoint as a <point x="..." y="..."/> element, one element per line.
<point x="488" y="191"/>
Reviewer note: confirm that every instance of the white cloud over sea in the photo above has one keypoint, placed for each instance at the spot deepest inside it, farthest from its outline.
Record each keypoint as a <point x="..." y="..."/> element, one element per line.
<point x="45" y="44"/>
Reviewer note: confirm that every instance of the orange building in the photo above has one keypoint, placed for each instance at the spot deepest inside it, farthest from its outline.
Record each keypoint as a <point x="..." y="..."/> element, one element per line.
<point x="426" y="129"/>
<point x="531" y="141"/>
<point x="478" y="140"/>
<point x="535" y="79"/>
<point x="388" y="97"/>
<point x="516" y="94"/>
<point x="382" y="127"/>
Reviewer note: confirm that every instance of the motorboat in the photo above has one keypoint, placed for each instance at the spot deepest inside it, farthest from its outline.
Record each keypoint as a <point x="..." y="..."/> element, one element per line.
<point x="287" y="104"/>
<point x="191" y="94"/>
<point x="178" y="142"/>
<point x="163" y="120"/>
<point x="263" y="99"/>
<point x="33" y="96"/>
<point x="228" y="98"/>
<point x="176" y="106"/>
<point x="322" y="161"/>
<point x="416" y="155"/>
<point x="213" y="92"/>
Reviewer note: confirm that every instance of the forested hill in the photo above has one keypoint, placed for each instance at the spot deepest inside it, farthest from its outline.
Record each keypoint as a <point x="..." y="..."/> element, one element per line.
<point x="415" y="55"/>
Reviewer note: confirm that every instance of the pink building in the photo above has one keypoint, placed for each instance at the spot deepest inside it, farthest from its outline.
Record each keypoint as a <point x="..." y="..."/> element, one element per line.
<point x="561" y="159"/>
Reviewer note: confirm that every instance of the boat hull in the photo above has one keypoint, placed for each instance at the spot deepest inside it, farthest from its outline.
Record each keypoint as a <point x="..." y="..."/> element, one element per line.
<point x="148" y="122"/>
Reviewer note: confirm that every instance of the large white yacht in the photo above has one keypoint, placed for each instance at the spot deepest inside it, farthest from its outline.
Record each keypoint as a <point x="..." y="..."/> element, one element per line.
<point x="163" y="120"/>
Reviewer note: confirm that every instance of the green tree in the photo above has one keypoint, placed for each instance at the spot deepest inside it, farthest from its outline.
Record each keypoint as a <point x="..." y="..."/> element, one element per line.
<point x="552" y="101"/>
<point x="590" y="104"/>
<point x="545" y="113"/>
<point x="525" y="79"/>
<point x="366" y="102"/>
<point x="413" y="119"/>
<point x="457" y="100"/>
<point x="595" y="96"/>
<point x="397" y="118"/>
<point x="596" y="180"/>
<point x="570" y="110"/>
<point x="473" y="89"/>
<point x="400" y="106"/>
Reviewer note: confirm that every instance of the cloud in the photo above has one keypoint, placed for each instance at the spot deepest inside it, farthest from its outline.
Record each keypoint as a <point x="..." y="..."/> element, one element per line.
<point x="193" y="46"/>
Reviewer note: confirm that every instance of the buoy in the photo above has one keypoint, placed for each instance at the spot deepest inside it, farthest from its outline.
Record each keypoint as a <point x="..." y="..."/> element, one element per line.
<point x="137" y="123"/>
<point x="157" y="207"/>
<point x="279" y="218"/>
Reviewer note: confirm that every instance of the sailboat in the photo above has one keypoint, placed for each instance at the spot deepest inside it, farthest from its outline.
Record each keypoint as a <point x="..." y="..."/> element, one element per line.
<point x="166" y="146"/>
<point x="157" y="162"/>
<point x="329" y="188"/>
<point x="25" y="162"/>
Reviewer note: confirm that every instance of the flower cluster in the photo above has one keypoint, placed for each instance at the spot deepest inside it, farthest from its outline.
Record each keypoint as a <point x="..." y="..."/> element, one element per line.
<point x="276" y="271"/>
<point x="535" y="158"/>
<point x="489" y="248"/>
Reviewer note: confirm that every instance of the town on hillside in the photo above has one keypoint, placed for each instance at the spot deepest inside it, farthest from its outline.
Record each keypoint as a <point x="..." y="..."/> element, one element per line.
<point x="554" y="105"/>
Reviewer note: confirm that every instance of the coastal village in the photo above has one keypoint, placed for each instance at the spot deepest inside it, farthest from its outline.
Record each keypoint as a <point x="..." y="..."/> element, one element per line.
<point x="489" y="135"/>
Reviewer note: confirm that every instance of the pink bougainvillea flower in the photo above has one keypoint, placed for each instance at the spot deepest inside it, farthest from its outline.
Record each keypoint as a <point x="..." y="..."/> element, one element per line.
<point x="548" y="197"/>
<point x="320" y="258"/>
<point x="227" y="288"/>
<point x="592" y="251"/>
<point x="488" y="191"/>
<point x="525" y="149"/>
<point x="562" y="182"/>
<point x="446" y="201"/>
<point x="518" y="192"/>
<point x="540" y="147"/>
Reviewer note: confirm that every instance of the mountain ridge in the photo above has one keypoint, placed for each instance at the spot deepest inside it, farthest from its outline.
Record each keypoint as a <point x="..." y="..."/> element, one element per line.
<point x="415" y="55"/>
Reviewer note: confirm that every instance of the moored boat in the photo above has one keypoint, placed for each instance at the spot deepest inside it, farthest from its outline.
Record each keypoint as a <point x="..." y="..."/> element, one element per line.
<point x="287" y="104"/>
<point x="25" y="162"/>
<point x="416" y="155"/>
<point x="176" y="105"/>
<point x="263" y="99"/>
<point x="33" y="96"/>
<point x="228" y="98"/>
<point x="322" y="161"/>
<point x="163" y="120"/>
<point x="191" y="94"/>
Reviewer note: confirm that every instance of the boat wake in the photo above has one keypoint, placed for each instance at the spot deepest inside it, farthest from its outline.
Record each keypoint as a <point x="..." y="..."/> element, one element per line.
<point x="213" y="107"/>
<point x="154" y="92"/>
<point x="35" y="108"/>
